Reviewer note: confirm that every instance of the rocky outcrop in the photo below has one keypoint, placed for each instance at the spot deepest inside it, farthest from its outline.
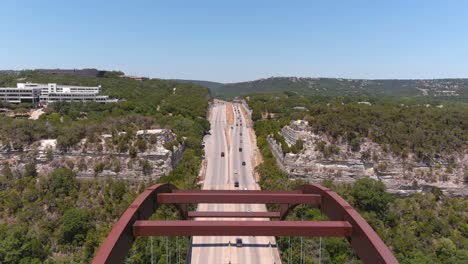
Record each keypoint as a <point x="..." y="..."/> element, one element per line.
<point x="103" y="158"/>
<point x="316" y="162"/>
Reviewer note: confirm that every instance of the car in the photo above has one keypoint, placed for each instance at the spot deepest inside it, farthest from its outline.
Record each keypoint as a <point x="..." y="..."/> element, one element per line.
<point x="240" y="134"/>
<point x="235" y="171"/>
<point x="236" y="184"/>
<point x="243" y="163"/>
<point x="237" y="125"/>
<point x="240" y="149"/>
<point x="222" y="154"/>
<point x="238" y="242"/>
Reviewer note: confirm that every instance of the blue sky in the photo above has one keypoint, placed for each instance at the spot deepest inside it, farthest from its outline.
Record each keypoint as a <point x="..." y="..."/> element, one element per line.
<point x="239" y="40"/>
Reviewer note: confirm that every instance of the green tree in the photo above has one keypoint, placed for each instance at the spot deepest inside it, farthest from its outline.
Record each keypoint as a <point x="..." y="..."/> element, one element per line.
<point x="7" y="173"/>
<point x="75" y="225"/>
<point x="30" y="169"/>
<point x="98" y="168"/>
<point x="371" y="195"/>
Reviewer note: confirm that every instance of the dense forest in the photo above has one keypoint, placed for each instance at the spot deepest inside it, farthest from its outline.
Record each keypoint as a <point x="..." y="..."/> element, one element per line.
<point x="454" y="89"/>
<point x="426" y="128"/>
<point x="56" y="218"/>
<point x="422" y="228"/>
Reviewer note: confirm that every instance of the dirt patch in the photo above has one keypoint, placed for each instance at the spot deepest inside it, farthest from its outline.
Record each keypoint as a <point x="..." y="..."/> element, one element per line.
<point x="227" y="134"/>
<point x="36" y="114"/>
<point x="202" y="173"/>
<point x="229" y="114"/>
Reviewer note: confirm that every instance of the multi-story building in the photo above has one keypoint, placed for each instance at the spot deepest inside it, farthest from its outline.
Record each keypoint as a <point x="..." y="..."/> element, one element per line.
<point x="20" y="94"/>
<point x="296" y="130"/>
<point x="52" y="92"/>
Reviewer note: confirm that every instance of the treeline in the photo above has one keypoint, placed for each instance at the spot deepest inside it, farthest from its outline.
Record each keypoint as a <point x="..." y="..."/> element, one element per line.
<point x="55" y="218"/>
<point x="422" y="228"/>
<point x="166" y="104"/>
<point x="401" y="126"/>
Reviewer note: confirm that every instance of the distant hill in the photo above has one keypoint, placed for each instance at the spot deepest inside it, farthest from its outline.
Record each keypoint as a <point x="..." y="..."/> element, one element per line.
<point x="346" y="87"/>
<point x="211" y="85"/>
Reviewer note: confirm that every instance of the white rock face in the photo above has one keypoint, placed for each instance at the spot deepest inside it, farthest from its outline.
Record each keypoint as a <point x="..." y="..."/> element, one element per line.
<point x="153" y="162"/>
<point x="401" y="176"/>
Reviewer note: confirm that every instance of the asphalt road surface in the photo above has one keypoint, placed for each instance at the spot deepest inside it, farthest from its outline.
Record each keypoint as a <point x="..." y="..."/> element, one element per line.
<point x="221" y="174"/>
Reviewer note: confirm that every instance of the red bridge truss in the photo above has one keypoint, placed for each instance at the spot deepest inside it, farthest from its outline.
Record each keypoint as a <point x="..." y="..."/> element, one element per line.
<point x="345" y="220"/>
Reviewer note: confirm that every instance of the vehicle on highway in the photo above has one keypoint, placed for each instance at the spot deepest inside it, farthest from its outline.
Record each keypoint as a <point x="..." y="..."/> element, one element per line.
<point x="222" y="154"/>
<point x="236" y="184"/>
<point x="243" y="163"/>
<point x="235" y="171"/>
<point x="240" y="149"/>
<point x="239" y="242"/>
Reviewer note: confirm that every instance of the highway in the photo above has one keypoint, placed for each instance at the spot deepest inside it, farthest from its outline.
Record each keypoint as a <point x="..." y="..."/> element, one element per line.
<point x="222" y="173"/>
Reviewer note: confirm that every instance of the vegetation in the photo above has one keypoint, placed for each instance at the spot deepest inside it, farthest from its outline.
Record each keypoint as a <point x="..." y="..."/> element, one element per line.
<point x="401" y="126"/>
<point x="56" y="218"/>
<point x="422" y="228"/>
<point x="345" y="87"/>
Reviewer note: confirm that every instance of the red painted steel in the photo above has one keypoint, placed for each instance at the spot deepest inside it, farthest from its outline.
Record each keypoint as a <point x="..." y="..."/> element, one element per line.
<point x="238" y="198"/>
<point x="235" y="214"/>
<point x="120" y="239"/>
<point x="364" y="240"/>
<point x="242" y="228"/>
<point x="346" y="221"/>
<point x="239" y="191"/>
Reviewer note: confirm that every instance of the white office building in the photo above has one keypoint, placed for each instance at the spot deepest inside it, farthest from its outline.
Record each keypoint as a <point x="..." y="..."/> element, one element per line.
<point x="20" y="94"/>
<point x="52" y="92"/>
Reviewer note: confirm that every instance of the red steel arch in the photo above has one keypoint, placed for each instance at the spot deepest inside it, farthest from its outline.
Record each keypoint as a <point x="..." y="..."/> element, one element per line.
<point x="345" y="220"/>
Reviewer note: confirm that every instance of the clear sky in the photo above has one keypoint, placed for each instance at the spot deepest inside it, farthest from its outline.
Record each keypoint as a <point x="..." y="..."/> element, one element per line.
<point x="237" y="40"/>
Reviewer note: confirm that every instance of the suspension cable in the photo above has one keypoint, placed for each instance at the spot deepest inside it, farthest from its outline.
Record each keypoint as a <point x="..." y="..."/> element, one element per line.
<point x="152" y="250"/>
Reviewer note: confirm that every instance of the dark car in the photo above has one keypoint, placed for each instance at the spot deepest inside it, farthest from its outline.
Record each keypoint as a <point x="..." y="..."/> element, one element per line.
<point x="239" y="242"/>
<point x="240" y="149"/>
<point x="243" y="163"/>
<point x="236" y="184"/>
<point x="222" y="154"/>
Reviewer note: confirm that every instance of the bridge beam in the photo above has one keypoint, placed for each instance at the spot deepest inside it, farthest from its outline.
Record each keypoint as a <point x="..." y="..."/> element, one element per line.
<point x="238" y="198"/>
<point x="242" y="228"/>
<point x="119" y="241"/>
<point x="234" y="214"/>
<point x="364" y="240"/>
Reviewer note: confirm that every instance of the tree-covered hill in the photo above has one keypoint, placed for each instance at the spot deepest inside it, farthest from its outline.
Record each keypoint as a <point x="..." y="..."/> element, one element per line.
<point x="422" y="228"/>
<point x="450" y="88"/>
<point x="56" y="218"/>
